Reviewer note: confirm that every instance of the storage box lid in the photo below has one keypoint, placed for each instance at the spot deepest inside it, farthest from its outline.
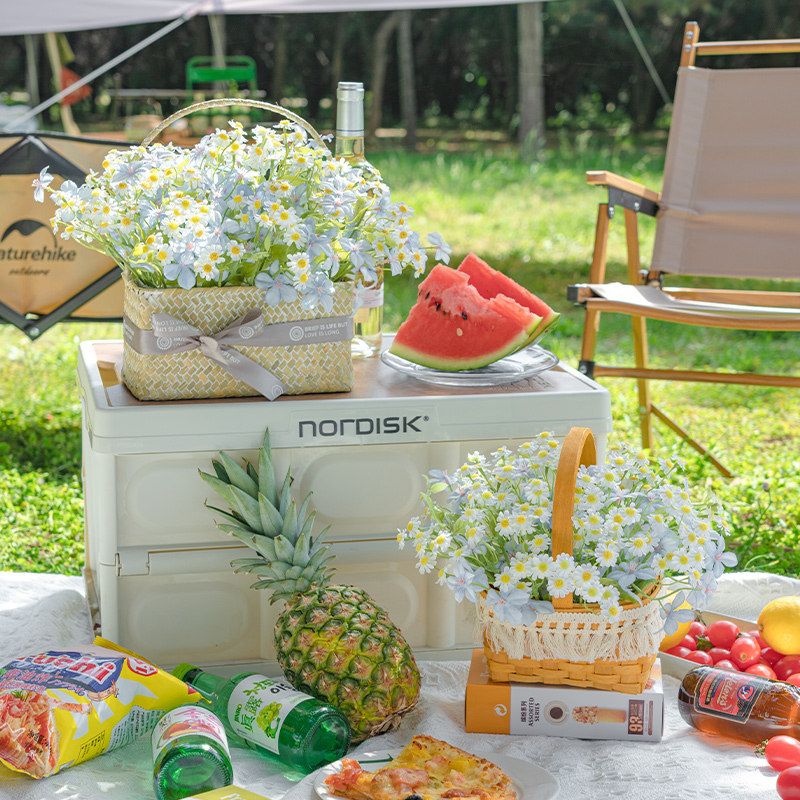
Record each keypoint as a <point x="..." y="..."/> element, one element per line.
<point x="384" y="407"/>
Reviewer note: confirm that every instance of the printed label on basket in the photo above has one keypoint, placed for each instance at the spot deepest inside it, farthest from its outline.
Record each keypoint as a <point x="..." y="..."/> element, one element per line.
<point x="187" y="721"/>
<point x="728" y="695"/>
<point x="258" y="707"/>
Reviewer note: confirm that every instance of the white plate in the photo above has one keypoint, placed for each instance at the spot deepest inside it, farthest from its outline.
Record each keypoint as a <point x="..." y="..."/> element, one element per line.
<point x="516" y="367"/>
<point x="530" y="781"/>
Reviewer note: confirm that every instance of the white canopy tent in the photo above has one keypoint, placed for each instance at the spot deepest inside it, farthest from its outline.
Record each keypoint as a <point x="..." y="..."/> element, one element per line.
<point x="53" y="16"/>
<point x="56" y="15"/>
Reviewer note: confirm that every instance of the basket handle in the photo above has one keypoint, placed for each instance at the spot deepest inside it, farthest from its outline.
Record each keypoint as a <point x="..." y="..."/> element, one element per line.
<point x="220" y="102"/>
<point x="578" y="450"/>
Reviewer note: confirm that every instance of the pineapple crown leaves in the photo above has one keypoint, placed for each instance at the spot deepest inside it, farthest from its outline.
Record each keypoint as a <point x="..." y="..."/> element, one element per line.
<point x="266" y="519"/>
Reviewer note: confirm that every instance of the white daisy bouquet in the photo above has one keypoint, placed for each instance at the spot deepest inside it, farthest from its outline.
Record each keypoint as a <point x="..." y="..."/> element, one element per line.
<point x="634" y="525"/>
<point x="272" y="208"/>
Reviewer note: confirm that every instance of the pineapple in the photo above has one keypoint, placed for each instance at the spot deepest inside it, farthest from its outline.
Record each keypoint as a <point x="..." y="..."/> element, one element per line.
<point x="333" y="642"/>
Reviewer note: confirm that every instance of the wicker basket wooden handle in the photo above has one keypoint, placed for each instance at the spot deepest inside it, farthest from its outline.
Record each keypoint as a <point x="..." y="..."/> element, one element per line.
<point x="578" y="450"/>
<point x="222" y="102"/>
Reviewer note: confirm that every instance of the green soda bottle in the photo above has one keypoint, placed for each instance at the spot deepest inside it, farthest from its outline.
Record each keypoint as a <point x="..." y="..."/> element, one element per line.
<point x="190" y="753"/>
<point x="271" y="717"/>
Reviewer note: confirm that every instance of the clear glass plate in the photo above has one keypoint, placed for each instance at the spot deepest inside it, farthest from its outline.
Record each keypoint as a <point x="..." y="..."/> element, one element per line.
<point x="516" y="367"/>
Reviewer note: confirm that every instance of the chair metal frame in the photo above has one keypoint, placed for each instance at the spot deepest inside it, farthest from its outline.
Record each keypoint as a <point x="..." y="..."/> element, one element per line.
<point x="634" y="199"/>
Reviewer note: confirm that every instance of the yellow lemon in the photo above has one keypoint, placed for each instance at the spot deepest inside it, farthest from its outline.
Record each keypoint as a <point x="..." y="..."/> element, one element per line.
<point x="668" y="642"/>
<point x="779" y="624"/>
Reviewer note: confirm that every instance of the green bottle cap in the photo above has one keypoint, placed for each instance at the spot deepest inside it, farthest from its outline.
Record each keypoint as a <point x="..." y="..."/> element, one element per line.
<point x="182" y="670"/>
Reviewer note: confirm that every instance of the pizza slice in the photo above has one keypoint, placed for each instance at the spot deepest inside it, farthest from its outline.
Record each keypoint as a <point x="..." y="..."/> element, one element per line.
<point x="428" y="769"/>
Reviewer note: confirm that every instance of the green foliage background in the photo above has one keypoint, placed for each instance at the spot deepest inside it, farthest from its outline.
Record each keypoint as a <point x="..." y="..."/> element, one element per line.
<point x="535" y="221"/>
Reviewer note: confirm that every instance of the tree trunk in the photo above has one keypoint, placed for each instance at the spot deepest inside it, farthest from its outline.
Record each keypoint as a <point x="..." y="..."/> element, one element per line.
<point x="408" y="94"/>
<point x="380" y="55"/>
<point x="216" y="26"/>
<point x="339" y="42"/>
<point x="531" y="77"/>
<point x="511" y="87"/>
<point x="279" y="61"/>
<point x="31" y="72"/>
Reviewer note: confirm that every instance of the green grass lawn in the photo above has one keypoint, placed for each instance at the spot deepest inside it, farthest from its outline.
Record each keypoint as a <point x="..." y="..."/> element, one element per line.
<point x="534" y="221"/>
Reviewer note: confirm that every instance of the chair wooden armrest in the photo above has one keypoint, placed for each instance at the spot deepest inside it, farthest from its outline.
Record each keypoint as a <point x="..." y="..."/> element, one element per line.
<point x="605" y="178"/>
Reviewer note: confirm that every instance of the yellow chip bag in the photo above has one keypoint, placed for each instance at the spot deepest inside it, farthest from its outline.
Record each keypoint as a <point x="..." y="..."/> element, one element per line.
<point x="66" y="706"/>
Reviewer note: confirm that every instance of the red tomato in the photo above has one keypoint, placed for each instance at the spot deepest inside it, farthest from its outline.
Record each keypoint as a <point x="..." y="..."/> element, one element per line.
<point x="697" y="629"/>
<point x="726" y="663"/>
<point x="782" y="752"/>
<point x="764" y="670"/>
<point x="757" y="636"/>
<point x="770" y="656"/>
<point x="718" y="653"/>
<point x="699" y="657"/>
<point x="689" y="641"/>
<point x="794" y="679"/>
<point x="786" y="666"/>
<point x="722" y="633"/>
<point x="789" y="784"/>
<point x="679" y="651"/>
<point x="745" y="652"/>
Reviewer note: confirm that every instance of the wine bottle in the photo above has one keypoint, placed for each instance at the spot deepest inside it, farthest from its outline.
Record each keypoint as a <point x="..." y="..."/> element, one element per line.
<point x="368" y="318"/>
<point x="271" y="717"/>
<point x="190" y="753"/>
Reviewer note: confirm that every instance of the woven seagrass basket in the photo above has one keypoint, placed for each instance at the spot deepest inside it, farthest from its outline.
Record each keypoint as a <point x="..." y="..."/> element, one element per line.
<point x="302" y="368"/>
<point x="307" y="367"/>
<point x="574" y="646"/>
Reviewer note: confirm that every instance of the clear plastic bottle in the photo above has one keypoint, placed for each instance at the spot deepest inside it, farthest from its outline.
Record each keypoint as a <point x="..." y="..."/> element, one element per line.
<point x="368" y="319"/>
<point x="270" y="716"/>
<point x="190" y="753"/>
<point x="739" y="705"/>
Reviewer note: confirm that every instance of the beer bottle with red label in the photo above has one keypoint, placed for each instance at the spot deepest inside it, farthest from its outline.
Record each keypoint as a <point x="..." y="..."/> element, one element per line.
<point x="739" y="705"/>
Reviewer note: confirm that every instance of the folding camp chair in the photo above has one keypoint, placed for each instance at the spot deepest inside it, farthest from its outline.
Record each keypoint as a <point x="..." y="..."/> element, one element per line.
<point x="45" y="279"/>
<point x="729" y="208"/>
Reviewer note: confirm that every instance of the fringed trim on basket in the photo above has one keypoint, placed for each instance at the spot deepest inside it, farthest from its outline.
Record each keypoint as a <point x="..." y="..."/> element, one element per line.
<point x="574" y="635"/>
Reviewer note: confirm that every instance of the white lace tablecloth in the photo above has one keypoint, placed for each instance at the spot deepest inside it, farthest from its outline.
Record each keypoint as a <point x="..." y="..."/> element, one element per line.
<point x="38" y="612"/>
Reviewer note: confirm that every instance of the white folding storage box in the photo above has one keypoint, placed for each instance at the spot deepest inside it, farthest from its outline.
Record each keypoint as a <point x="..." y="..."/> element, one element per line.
<point x="159" y="569"/>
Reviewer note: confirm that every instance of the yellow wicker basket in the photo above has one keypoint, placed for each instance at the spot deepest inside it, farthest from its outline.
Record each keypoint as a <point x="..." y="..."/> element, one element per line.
<point x="629" y="645"/>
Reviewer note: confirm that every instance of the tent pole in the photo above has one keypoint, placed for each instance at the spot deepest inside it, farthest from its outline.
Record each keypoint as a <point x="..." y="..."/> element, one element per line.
<point x="55" y="65"/>
<point x="109" y="65"/>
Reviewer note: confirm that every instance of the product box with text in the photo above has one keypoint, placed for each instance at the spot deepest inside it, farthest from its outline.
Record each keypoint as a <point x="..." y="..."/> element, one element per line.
<point x="536" y="709"/>
<point x="228" y="793"/>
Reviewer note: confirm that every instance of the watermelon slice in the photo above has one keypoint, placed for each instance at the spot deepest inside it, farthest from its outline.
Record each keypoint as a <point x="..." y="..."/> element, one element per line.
<point x="452" y="327"/>
<point x="489" y="283"/>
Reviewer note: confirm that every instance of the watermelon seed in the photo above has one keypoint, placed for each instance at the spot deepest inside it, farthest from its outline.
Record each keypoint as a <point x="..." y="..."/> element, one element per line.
<point x="464" y="314"/>
<point x="438" y="306"/>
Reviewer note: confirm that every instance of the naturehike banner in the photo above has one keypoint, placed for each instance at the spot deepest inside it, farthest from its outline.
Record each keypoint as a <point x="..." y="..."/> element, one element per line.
<point x="43" y="278"/>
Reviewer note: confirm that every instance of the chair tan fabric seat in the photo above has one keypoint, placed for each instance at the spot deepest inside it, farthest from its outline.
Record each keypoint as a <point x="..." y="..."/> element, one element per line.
<point x="655" y="303"/>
